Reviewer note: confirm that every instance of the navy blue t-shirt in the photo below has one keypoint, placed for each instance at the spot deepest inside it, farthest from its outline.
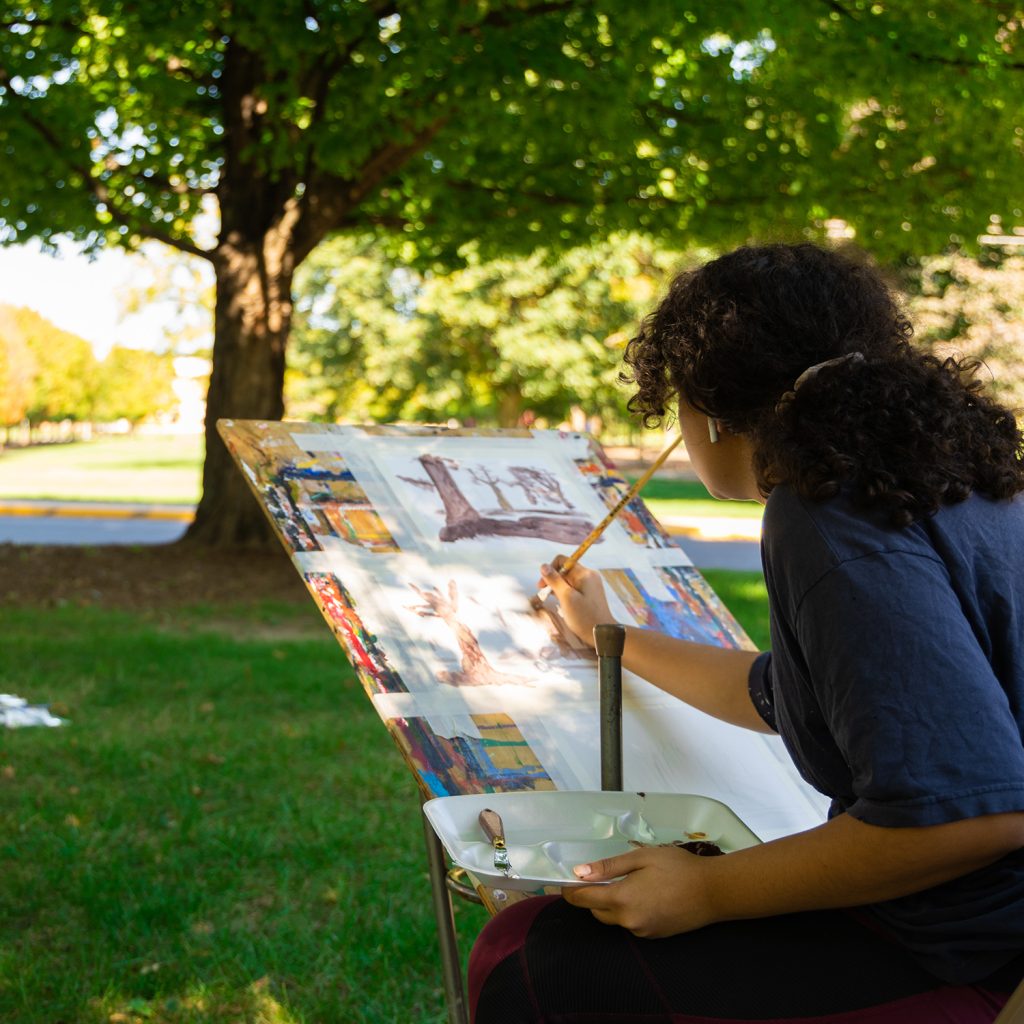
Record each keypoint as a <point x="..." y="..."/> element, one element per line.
<point x="896" y="680"/>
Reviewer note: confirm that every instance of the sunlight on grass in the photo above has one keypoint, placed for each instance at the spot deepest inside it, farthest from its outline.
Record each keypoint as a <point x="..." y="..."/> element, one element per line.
<point x="218" y="811"/>
<point x="145" y="468"/>
<point x="197" y="1005"/>
<point x="224" y="832"/>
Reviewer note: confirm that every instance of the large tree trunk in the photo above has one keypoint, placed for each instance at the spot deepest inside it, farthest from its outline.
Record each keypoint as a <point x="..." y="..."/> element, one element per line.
<point x="510" y="405"/>
<point x="269" y="224"/>
<point x="251" y="324"/>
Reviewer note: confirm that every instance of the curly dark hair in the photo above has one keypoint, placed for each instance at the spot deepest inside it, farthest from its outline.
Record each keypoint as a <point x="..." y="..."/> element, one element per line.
<point x="903" y="431"/>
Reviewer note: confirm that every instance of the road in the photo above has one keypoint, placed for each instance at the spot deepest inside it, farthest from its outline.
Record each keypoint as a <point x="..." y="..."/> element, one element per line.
<point x="711" y="544"/>
<point x="67" y="522"/>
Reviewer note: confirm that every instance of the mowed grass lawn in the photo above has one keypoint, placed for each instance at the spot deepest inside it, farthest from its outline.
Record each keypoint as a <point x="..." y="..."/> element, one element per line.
<point x="224" y="833"/>
<point x="146" y="468"/>
<point x="169" y="469"/>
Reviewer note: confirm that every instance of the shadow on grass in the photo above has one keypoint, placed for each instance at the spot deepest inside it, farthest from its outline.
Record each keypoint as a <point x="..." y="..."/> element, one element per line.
<point x="223" y="833"/>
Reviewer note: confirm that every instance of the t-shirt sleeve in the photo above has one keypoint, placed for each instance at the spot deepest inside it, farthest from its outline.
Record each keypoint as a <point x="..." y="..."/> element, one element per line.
<point x="760" y="686"/>
<point x="908" y="694"/>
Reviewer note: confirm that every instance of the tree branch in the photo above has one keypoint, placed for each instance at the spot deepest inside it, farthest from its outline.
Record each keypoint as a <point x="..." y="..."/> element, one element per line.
<point x="93" y="185"/>
<point x="915" y="55"/>
<point x="146" y="229"/>
<point x="501" y="19"/>
<point x="319" y="84"/>
<point x="330" y="200"/>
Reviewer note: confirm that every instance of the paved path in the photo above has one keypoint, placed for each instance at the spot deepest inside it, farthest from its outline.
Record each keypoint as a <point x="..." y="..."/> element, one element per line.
<point x="711" y="543"/>
<point x="88" y="522"/>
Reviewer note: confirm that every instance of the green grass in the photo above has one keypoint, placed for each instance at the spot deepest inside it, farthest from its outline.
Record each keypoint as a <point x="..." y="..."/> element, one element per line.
<point x="224" y="833"/>
<point x="145" y="468"/>
<point x="671" y="497"/>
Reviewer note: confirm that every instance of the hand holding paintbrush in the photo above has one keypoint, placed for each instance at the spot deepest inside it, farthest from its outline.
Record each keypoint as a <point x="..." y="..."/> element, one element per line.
<point x="566" y="567"/>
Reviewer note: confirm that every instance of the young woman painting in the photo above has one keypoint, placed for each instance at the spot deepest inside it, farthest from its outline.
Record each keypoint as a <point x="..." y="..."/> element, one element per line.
<point x="893" y="552"/>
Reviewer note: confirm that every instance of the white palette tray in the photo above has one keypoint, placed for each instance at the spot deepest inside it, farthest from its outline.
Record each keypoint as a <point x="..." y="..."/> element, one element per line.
<point x="548" y="833"/>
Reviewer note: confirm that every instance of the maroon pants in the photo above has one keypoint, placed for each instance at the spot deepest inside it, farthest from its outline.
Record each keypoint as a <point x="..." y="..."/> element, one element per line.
<point x="544" y="961"/>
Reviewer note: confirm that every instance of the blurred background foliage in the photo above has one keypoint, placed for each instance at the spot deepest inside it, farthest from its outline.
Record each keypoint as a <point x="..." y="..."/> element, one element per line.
<point x="521" y="341"/>
<point x="48" y="375"/>
<point x="536" y="340"/>
<point x="505" y="341"/>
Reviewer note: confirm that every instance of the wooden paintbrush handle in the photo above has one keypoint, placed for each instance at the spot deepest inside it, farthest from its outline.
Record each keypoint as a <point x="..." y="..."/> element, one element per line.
<point x="619" y="506"/>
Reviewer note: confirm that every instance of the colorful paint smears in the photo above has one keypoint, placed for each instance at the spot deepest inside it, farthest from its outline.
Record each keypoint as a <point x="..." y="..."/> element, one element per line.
<point x="314" y="501"/>
<point x="691" y="611"/>
<point x="636" y="518"/>
<point x="364" y="651"/>
<point x="498" y="760"/>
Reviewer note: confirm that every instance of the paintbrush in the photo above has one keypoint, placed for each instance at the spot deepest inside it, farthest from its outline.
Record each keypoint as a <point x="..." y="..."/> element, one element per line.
<point x="544" y="593"/>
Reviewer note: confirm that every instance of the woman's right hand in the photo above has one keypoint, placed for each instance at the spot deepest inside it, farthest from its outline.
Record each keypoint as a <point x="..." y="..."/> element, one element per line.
<point x="580" y="595"/>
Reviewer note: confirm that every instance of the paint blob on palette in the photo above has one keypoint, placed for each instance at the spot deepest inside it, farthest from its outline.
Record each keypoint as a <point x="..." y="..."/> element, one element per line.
<point x="421" y="548"/>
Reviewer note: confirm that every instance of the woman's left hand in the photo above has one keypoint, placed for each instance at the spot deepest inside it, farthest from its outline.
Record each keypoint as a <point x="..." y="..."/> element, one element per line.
<point x="663" y="892"/>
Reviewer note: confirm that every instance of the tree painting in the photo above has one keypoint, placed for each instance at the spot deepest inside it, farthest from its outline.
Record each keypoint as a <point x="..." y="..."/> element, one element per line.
<point x="475" y="669"/>
<point x="483" y="476"/>
<point x="463" y="521"/>
<point x="538" y="485"/>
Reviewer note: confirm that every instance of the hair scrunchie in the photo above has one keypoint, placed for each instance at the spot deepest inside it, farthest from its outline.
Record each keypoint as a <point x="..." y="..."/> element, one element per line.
<point x="812" y="371"/>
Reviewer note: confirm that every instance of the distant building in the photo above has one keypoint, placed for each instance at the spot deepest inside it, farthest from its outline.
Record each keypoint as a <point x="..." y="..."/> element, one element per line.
<point x="191" y="381"/>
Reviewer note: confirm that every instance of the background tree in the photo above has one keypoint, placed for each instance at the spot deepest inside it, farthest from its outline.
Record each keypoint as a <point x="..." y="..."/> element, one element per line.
<point x="17" y="370"/>
<point x="491" y="342"/>
<point x="510" y="122"/>
<point x="357" y="351"/>
<point x="64" y="381"/>
<point x="133" y="385"/>
<point x="175" y="290"/>
<point x="976" y="308"/>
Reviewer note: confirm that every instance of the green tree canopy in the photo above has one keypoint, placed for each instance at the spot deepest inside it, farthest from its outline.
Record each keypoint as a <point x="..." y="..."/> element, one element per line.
<point x="506" y="123"/>
<point x="133" y="384"/>
<point x="17" y="369"/>
<point x="65" y="370"/>
<point x="492" y="341"/>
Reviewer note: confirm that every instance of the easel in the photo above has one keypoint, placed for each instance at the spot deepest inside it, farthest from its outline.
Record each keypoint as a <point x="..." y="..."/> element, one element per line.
<point x="609" y="641"/>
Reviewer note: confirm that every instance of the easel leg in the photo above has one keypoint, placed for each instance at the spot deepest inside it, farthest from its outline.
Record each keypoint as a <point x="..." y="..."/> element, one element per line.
<point x="451" y="966"/>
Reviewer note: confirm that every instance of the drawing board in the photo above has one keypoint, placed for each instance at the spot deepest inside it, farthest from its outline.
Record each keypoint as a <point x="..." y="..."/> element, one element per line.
<point x="421" y="547"/>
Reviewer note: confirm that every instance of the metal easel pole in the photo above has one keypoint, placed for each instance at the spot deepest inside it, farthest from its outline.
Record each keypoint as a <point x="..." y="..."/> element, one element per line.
<point x="444" y="915"/>
<point x="609" y="641"/>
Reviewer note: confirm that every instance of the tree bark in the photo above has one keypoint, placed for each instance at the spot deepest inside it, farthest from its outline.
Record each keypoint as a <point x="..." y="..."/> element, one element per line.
<point x="268" y="227"/>
<point x="251" y="323"/>
<point x="510" y="405"/>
